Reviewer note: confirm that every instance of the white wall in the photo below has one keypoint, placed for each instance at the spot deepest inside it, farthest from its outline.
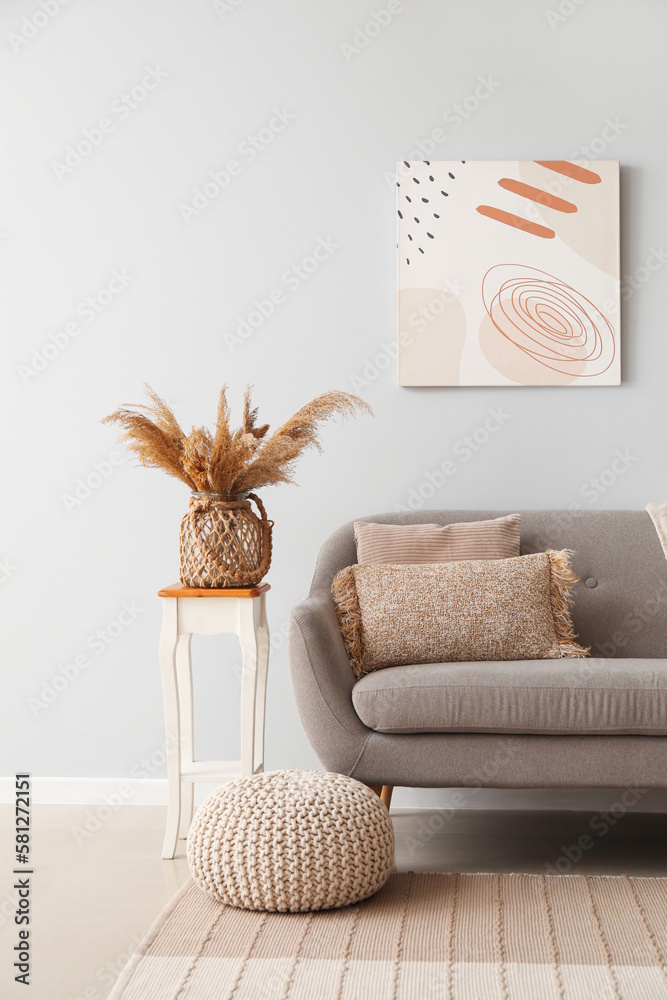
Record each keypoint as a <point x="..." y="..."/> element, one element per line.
<point x="220" y="71"/>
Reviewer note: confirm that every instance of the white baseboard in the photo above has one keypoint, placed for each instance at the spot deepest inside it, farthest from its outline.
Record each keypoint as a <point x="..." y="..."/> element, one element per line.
<point x="94" y="791"/>
<point x="153" y="792"/>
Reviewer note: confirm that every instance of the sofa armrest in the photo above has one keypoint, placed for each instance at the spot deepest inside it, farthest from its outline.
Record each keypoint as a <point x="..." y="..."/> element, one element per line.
<point x="322" y="680"/>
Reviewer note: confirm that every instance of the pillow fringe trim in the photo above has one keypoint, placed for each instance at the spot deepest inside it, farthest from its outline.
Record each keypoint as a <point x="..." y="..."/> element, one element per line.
<point x="563" y="578"/>
<point x="346" y="601"/>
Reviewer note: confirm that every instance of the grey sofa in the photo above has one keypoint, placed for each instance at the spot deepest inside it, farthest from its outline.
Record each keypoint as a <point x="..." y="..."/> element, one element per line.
<point x="598" y="722"/>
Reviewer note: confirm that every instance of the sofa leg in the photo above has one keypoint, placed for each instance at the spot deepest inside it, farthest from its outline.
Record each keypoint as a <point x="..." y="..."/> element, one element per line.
<point x="384" y="792"/>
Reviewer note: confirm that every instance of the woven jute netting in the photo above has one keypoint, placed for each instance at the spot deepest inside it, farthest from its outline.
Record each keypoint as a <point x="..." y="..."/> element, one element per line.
<point x="223" y="543"/>
<point x="291" y="841"/>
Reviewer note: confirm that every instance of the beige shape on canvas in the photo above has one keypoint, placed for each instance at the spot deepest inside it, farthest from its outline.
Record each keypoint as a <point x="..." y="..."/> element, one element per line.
<point x="591" y="231"/>
<point x="513" y="363"/>
<point x="431" y="330"/>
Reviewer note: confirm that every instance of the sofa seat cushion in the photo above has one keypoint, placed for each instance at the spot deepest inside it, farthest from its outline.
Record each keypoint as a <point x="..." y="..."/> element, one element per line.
<point x="557" y="697"/>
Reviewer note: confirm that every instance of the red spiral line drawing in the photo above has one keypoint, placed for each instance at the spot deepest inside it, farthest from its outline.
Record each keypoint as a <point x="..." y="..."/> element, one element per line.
<point x="549" y="320"/>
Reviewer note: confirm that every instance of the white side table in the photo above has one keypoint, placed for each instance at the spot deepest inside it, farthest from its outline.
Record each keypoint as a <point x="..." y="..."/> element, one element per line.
<point x="202" y="611"/>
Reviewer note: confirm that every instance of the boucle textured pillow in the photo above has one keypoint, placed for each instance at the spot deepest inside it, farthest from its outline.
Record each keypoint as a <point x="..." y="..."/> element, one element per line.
<point x="498" y="609"/>
<point x="436" y="543"/>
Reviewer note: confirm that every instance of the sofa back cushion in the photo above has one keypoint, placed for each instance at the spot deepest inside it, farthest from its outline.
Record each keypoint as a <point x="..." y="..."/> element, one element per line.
<point x="621" y="600"/>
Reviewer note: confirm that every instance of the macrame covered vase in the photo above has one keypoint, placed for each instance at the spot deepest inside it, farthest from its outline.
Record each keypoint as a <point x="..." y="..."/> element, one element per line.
<point x="223" y="543"/>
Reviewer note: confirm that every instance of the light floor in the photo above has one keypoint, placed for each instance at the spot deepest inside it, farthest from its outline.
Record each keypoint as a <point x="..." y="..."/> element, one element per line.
<point x="95" y="896"/>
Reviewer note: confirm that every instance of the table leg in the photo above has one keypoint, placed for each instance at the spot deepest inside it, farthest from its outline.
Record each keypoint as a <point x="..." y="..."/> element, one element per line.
<point x="184" y="674"/>
<point x="262" y="672"/>
<point x="249" y="650"/>
<point x="168" y="646"/>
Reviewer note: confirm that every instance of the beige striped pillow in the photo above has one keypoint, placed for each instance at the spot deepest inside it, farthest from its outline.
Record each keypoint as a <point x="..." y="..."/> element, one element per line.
<point x="401" y="544"/>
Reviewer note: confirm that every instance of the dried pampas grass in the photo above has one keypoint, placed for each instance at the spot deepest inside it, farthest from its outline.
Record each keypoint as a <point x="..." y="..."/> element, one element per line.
<point x="229" y="461"/>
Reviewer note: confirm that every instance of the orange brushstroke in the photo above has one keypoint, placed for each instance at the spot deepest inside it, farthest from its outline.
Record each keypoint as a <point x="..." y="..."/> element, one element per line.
<point x="516" y="221"/>
<point x="572" y="170"/>
<point x="535" y="194"/>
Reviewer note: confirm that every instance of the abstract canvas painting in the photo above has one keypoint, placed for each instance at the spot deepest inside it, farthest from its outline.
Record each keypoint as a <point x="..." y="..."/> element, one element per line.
<point x="508" y="272"/>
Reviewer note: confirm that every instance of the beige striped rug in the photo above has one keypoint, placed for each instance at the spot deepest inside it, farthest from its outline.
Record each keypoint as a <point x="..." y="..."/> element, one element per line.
<point x="423" y="937"/>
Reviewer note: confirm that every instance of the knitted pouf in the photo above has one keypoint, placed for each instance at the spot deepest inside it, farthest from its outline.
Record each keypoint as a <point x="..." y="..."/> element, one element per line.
<point x="291" y="841"/>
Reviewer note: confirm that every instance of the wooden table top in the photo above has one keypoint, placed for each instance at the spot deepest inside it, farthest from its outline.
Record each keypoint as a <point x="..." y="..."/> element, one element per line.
<point x="180" y="590"/>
